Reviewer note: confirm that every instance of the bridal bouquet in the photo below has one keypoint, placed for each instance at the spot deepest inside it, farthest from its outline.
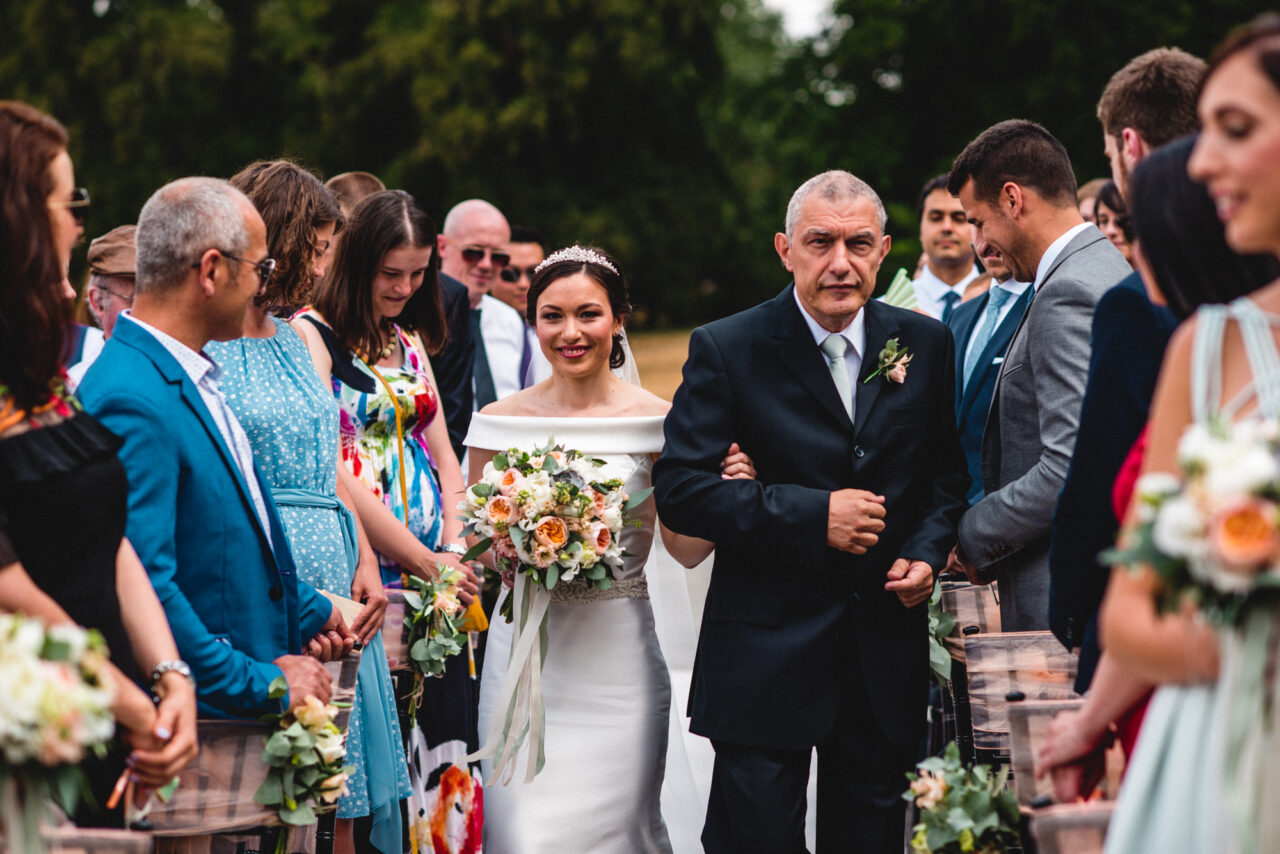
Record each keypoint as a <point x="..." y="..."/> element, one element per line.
<point x="549" y="514"/>
<point x="1213" y="534"/>
<point x="304" y="755"/>
<point x="962" y="809"/>
<point x="55" y="708"/>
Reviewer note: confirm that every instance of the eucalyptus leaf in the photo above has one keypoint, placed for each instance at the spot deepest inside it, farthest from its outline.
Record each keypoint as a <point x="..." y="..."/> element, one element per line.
<point x="637" y="498"/>
<point x="478" y="549"/>
<point x="483" y="490"/>
<point x="300" y="816"/>
<point x="553" y="575"/>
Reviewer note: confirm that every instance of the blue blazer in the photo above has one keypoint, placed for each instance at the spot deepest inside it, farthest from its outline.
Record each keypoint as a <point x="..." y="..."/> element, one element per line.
<point x="233" y="603"/>
<point x="974" y="400"/>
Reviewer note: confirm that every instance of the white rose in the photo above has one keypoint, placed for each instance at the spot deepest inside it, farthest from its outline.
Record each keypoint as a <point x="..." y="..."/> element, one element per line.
<point x="612" y="517"/>
<point x="1241" y="471"/>
<point x="1179" y="529"/>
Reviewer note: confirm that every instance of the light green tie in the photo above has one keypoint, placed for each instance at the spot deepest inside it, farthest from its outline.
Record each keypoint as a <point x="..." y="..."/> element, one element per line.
<point x="835" y="346"/>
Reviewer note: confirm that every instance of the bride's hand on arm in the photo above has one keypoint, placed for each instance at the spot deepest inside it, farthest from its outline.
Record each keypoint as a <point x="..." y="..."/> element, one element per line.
<point x="691" y="551"/>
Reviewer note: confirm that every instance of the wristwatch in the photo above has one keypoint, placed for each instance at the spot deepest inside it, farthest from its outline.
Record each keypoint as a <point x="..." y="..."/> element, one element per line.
<point x="454" y="549"/>
<point x="176" y="665"/>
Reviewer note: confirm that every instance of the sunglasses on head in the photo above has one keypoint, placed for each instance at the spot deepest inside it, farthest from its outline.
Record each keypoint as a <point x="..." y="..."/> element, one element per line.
<point x="473" y="255"/>
<point x="79" y="205"/>
<point x="513" y="274"/>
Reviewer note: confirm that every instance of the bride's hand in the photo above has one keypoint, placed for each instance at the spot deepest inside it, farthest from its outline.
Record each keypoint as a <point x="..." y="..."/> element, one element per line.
<point x="737" y="465"/>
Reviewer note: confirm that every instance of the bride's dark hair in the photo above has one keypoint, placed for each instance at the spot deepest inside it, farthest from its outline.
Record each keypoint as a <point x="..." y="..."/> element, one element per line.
<point x="598" y="266"/>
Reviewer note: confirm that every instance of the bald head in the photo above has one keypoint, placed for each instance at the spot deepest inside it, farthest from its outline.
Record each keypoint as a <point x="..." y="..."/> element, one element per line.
<point x="473" y="245"/>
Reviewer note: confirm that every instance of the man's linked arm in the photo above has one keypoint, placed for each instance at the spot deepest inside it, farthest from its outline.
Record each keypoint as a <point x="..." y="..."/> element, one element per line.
<point x="773" y="520"/>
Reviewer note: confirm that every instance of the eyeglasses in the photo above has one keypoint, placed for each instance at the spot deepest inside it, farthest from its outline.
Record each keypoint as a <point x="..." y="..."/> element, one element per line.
<point x="513" y="274"/>
<point x="79" y="205"/>
<point x="265" y="267"/>
<point x="127" y="298"/>
<point x="473" y="255"/>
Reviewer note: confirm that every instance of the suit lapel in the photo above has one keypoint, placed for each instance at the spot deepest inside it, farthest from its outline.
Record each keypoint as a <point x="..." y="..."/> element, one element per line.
<point x="174" y="373"/>
<point x="999" y="340"/>
<point x="802" y="357"/>
<point x="879" y="328"/>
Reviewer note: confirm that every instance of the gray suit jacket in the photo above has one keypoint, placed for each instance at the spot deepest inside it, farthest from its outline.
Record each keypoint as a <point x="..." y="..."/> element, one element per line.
<point x="1031" y="430"/>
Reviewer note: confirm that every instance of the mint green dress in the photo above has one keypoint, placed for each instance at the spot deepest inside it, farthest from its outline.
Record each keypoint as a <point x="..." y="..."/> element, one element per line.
<point x="292" y="423"/>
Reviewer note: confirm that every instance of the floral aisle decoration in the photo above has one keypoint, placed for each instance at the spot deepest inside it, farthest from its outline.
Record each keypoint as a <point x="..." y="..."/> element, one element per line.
<point x="433" y="625"/>
<point x="1212" y="535"/>
<point x="940" y="626"/>
<point x="962" y="809"/>
<point x="305" y="756"/>
<point x="550" y="517"/>
<point x="55" y="710"/>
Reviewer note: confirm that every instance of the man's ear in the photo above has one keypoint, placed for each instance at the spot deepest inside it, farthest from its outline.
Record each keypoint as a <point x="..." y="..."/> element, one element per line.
<point x="442" y="243"/>
<point x="885" y="242"/>
<point x="1133" y="147"/>
<point x="782" y="246"/>
<point x="1012" y="199"/>
<point x="207" y="270"/>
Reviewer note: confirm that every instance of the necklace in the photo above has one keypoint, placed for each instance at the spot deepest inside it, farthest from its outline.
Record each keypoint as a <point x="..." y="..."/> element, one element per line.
<point x="390" y="347"/>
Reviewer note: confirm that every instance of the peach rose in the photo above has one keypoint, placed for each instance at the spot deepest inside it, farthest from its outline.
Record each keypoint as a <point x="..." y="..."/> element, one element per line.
<point x="499" y="509"/>
<point x="1244" y="535"/>
<point x="446" y="604"/>
<point x="510" y="482"/>
<point x="503" y="546"/>
<point x="552" y="532"/>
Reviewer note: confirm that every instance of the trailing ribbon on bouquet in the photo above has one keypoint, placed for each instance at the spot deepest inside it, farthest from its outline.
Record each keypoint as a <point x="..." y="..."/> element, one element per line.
<point x="520" y="712"/>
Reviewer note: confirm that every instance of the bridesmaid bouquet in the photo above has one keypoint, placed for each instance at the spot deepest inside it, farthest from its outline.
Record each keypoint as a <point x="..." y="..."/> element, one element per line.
<point x="432" y="625"/>
<point x="305" y="756"/>
<point x="55" y="708"/>
<point x="961" y="809"/>
<point x="549" y="514"/>
<point x="1213" y="535"/>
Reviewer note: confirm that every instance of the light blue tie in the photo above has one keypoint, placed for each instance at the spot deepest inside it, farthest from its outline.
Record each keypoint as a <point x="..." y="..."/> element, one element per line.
<point x="835" y="347"/>
<point x="996" y="297"/>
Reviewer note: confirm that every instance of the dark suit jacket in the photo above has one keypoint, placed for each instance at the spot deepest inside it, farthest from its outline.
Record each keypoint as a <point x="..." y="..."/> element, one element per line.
<point x="782" y="605"/>
<point x="1129" y="339"/>
<point x="973" y="400"/>
<point x="452" y="365"/>
<point x="233" y="602"/>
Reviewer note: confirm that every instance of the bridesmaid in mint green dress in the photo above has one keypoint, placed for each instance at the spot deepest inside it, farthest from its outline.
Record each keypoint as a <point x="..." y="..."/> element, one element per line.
<point x="292" y="423"/>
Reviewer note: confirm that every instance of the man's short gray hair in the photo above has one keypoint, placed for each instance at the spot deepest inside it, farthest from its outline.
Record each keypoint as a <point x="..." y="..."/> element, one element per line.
<point x="835" y="185"/>
<point x="180" y="222"/>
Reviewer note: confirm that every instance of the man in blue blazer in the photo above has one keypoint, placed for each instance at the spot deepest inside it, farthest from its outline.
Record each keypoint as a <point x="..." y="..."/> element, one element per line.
<point x="983" y="328"/>
<point x="201" y="521"/>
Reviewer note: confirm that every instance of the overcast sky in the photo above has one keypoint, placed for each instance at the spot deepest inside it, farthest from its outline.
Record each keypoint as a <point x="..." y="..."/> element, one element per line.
<point x="800" y="17"/>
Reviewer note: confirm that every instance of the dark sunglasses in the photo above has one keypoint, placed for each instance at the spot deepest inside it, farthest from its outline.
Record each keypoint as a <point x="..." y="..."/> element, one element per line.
<point x="473" y="254"/>
<point x="513" y="274"/>
<point x="266" y="267"/>
<point x="79" y="205"/>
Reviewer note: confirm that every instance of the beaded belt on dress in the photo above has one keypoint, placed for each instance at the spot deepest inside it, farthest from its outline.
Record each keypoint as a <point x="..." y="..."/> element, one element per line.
<point x="630" y="588"/>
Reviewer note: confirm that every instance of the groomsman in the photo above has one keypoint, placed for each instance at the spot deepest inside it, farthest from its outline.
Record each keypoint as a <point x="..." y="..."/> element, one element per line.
<point x="814" y="632"/>
<point x="949" y="266"/>
<point x="983" y="328"/>
<point x="1019" y="192"/>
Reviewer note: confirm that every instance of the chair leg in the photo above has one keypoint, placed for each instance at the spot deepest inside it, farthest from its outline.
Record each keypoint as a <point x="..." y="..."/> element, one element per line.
<point x="325" y="833"/>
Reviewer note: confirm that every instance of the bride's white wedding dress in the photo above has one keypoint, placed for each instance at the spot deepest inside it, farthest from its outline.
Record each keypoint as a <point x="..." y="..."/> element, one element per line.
<point x="605" y="683"/>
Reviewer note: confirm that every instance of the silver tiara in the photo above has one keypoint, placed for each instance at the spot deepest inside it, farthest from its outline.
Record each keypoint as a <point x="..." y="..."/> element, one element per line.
<point x="580" y="254"/>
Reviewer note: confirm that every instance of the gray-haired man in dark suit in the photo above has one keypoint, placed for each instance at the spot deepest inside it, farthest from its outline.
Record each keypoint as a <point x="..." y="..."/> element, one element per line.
<point x="1018" y="190"/>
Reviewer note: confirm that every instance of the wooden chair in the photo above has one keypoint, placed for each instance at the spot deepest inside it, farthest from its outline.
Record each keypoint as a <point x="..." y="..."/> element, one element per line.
<point x="213" y="809"/>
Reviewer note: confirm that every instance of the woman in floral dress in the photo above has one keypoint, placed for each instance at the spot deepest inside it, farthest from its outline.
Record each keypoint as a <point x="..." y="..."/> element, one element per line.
<point x="370" y="329"/>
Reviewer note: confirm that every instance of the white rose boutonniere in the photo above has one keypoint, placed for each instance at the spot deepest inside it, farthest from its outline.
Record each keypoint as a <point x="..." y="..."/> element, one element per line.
<point x="893" y="362"/>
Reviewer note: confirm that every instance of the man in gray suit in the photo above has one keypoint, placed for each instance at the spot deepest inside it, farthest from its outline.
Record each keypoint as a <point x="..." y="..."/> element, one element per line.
<point x="1018" y="191"/>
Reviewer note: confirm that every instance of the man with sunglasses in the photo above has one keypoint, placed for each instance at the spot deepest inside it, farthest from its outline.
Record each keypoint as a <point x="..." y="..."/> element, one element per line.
<point x="474" y="250"/>
<point x="201" y="521"/>
<point x="512" y="287"/>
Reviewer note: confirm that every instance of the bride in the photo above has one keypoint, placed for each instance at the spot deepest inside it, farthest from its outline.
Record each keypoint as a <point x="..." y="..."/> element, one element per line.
<point x="605" y="684"/>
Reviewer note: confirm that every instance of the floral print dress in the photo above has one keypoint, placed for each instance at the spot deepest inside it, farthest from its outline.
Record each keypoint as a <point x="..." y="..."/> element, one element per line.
<point x="446" y="808"/>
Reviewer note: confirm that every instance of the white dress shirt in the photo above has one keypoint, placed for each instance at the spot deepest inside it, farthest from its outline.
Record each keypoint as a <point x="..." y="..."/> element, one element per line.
<point x="503" y="331"/>
<point x="1016" y="289"/>
<point x="855" y="333"/>
<point x="1055" y="249"/>
<point x="204" y="373"/>
<point x="930" y="290"/>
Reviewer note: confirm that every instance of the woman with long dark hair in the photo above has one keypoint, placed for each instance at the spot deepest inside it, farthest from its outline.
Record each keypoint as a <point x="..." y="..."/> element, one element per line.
<point x="59" y="470"/>
<point x="374" y="321"/>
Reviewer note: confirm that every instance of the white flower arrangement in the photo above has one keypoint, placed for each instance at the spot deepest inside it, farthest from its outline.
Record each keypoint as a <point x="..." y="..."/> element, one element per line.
<point x="305" y="755"/>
